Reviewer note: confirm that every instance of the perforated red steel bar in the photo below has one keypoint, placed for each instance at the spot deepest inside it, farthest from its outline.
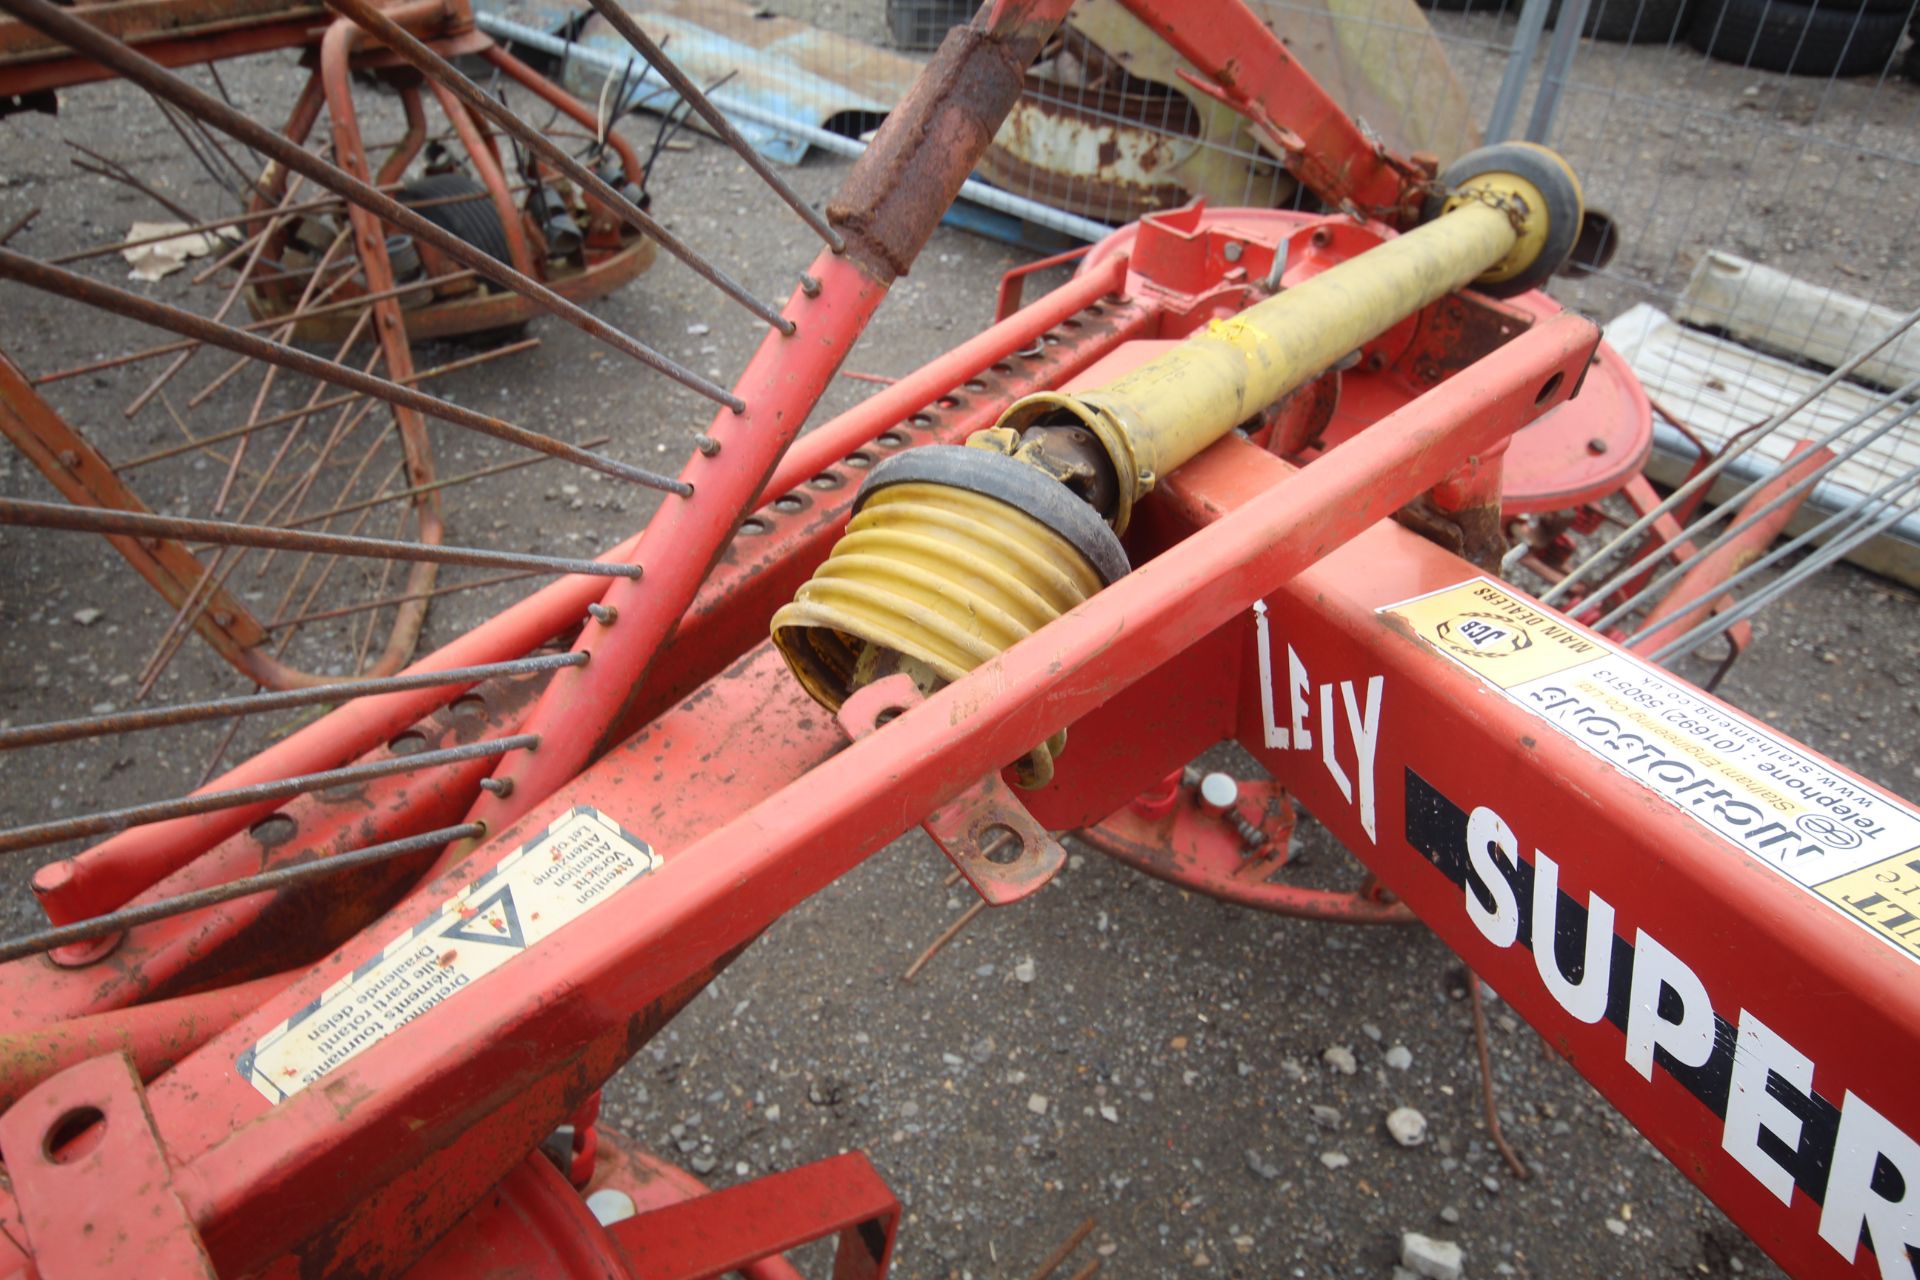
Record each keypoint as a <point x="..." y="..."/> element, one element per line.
<point x="149" y="75"/>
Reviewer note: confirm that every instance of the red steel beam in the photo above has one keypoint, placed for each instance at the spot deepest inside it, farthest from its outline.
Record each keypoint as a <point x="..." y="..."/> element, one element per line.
<point x="432" y="1107"/>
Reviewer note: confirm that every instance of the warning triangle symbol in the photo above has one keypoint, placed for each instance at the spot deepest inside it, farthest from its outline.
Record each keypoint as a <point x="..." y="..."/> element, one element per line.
<point x="488" y="918"/>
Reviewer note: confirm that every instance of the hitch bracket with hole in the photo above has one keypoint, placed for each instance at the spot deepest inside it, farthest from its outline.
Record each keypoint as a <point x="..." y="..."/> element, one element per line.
<point x="987" y="833"/>
<point x="93" y="1185"/>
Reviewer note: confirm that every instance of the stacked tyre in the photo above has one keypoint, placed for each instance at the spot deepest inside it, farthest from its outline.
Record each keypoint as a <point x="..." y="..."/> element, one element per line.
<point x="1828" y="38"/>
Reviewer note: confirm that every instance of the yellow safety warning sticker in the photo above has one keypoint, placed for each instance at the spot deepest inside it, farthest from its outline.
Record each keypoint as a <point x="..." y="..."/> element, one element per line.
<point x="1849" y="842"/>
<point x="575" y="864"/>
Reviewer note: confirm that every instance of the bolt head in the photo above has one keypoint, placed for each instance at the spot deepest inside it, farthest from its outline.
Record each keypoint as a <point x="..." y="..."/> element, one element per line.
<point x="1218" y="792"/>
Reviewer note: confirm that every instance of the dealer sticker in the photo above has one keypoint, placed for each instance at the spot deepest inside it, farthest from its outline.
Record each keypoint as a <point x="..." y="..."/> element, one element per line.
<point x="1852" y="844"/>
<point x="573" y="866"/>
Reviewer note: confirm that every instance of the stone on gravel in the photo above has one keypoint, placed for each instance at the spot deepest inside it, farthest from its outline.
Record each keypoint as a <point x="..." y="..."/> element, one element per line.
<point x="1328" y="1117"/>
<point x="1037" y="1103"/>
<point x="1341" y="1059"/>
<point x="1260" y="1165"/>
<point x="1434" y="1259"/>
<point x="1408" y="1127"/>
<point x="87" y="617"/>
<point x="1334" y="1159"/>
<point x="1400" y="1057"/>
<point x="1024" y="971"/>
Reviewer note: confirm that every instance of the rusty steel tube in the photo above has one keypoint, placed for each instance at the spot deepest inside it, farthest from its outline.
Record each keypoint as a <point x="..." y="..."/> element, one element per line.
<point x="70" y="516"/>
<point x="155" y="79"/>
<point x="36" y="735"/>
<point x="38" y="275"/>
<point x="93" y="824"/>
<point x="44" y="940"/>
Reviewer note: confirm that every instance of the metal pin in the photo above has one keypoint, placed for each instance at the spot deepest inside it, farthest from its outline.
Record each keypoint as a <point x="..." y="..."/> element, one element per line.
<point x="284" y="877"/>
<point x="604" y="614"/>
<point x="809" y="285"/>
<point x="497" y="787"/>
<point x="61" y="515"/>
<point x="34" y="735"/>
<point x="93" y="824"/>
<point x="707" y="446"/>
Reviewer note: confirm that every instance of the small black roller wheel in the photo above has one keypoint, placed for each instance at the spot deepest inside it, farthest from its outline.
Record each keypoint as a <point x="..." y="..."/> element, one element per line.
<point x="474" y="220"/>
<point x="1845" y="38"/>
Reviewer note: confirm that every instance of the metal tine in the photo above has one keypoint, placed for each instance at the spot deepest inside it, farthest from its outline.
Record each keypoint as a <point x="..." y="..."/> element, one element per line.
<point x="252" y="326"/>
<point x="214" y="577"/>
<point x="331" y="204"/>
<point x="143" y="71"/>
<point x="21" y="223"/>
<point x="321" y="406"/>
<point x="120" y="921"/>
<point x="1864" y="524"/>
<point x="444" y="73"/>
<point x="300" y="620"/>
<point x="498" y="468"/>
<point x="160" y="380"/>
<point x="1745" y="442"/>
<point x="93" y="824"/>
<point x="623" y="22"/>
<point x="55" y="280"/>
<point x="61" y="515"/>
<point x="1733" y="504"/>
<point x="38" y="735"/>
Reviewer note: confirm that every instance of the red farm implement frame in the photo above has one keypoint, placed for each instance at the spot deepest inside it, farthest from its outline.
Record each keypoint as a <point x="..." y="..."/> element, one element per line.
<point x="1710" y="921"/>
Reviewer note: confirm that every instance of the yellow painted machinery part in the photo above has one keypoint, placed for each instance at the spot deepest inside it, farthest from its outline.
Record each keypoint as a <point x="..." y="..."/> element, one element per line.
<point x="943" y="576"/>
<point x="1164" y="412"/>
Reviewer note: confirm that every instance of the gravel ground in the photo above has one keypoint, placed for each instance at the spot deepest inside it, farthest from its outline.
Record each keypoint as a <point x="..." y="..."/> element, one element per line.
<point x="1115" y="1049"/>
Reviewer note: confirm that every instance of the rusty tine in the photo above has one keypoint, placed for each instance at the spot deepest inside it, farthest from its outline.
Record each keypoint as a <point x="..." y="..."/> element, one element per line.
<point x="306" y="561"/>
<point x="952" y="932"/>
<point x="117" y="172"/>
<point x="443" y="73"/>
<point x="332" y="402"/>
<point x="18" y="267"/>
<point x="20" y="224"/>
<point x="388" y="602"/>
<point x="37" y="735"/>
<point x="93" y="824"/>
<point x="1494" y="1129"/>
<point x="630" y="30"/>
<point x="1059" y="1256"/>
<point x="60" y="515"/>
<point x="299" y="873"/>
<point x="499" y="468"/>
<point x="255" y="326"/>
<point x="143" y="71"/>
<point x="189" y="349"/>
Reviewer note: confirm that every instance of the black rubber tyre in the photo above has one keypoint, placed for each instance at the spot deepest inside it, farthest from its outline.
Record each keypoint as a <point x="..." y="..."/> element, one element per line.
<point x="1632" y="21"/>
<point x="1841" y="38"/>
<point x="475" y="221"/>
